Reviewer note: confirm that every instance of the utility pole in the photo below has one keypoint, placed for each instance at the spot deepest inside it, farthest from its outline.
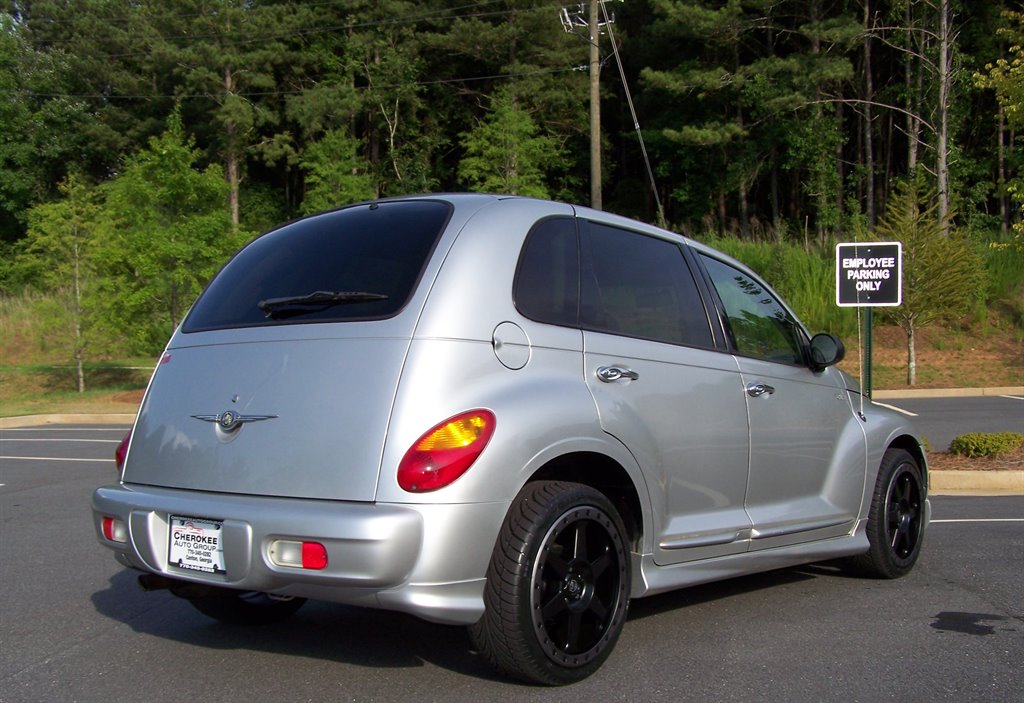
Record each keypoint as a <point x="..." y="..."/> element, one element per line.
<point x="595" y="106"/>
<point x="590" y="19"/>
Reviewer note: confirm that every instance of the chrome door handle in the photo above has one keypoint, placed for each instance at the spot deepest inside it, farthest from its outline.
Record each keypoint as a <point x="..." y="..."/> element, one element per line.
<point x="610" y="374"/>
<point x="755" y="390"/>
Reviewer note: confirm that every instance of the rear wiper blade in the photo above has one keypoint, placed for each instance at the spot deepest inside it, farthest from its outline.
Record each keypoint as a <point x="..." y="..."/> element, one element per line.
<point x="314" y="302"/>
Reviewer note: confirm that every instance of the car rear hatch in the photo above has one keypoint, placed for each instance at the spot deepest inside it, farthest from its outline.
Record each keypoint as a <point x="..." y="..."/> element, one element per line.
<point x="282" y="378"/>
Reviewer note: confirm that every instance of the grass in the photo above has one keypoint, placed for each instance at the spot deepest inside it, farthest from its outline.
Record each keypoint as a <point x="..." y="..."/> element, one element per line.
<point x="40" y="389"/>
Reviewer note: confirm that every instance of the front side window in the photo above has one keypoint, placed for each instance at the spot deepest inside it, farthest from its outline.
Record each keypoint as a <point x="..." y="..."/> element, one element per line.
<point x="358" y="263"/>
<point x="760" y="326"/>
<point x="640" y="286"/>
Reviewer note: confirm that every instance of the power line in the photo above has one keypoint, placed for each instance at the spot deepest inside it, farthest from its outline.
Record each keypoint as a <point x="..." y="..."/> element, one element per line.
<point x="636" y="122"/>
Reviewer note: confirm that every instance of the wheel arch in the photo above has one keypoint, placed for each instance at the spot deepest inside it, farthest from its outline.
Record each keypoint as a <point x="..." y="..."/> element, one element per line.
<point x="606" y="475"/>
<point x="911" y="445"/>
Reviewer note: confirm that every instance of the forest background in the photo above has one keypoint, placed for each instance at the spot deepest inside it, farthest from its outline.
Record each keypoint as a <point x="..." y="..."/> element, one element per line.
<point x="141" y="143"/>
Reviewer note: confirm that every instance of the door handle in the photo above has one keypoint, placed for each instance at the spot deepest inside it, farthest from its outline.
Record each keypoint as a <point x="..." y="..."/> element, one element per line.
<point x="756" y="390"/>
<point x="610" y="374"/>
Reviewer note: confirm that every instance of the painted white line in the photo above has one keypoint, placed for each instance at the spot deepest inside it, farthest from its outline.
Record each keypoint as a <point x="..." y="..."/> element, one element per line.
<point x="102" y="441"/>
<point x="49" y="458"/>
<point x="1013" y="397"/>
<point x="893" y="407"/>
<point x="985" y="519"/>
<point x="65" y="428"/>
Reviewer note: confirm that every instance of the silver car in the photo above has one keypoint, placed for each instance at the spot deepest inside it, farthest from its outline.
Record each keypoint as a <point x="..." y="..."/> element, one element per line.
<point x="501" y="412"/>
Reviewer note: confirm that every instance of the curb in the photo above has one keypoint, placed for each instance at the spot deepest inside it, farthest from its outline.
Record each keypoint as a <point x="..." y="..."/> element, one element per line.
<point x="67" y="419"/>
<point x="976" y="482"/>
<point x="949" y="392"/>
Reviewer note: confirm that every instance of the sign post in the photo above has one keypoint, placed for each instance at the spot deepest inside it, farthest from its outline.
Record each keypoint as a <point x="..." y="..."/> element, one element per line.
<point x="869" y="274"/>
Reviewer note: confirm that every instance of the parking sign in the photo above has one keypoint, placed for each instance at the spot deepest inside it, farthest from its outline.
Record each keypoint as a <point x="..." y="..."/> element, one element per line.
<point x="869" y="274"/>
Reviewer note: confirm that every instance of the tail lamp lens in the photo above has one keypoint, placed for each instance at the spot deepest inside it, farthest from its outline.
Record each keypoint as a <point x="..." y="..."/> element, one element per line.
<point x="122" y="451"/>
<point x="445" y="452"/>
<point x="114" y="530"/>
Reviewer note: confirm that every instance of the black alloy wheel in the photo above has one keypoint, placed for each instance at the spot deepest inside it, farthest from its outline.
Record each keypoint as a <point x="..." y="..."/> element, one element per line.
<point x="557" y="588"/>
<point x="895" y="528"/>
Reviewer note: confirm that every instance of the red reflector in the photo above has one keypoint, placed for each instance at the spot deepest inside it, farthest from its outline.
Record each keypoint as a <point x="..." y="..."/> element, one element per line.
<point x="314" y="555"/>
<point x="108" y="528"/>
<point x="445" y="452"/>
<point x="121" y="453"/>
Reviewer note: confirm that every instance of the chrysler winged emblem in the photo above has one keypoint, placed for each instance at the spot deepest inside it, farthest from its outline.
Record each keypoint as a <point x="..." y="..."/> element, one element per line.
<point x="230" y="420"/>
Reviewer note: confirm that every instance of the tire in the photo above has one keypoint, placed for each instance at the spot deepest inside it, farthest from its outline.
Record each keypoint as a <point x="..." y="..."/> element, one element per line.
<point x="246" y="607"/>
<point x="557" y="586"/>
<point x="895" y="526"/>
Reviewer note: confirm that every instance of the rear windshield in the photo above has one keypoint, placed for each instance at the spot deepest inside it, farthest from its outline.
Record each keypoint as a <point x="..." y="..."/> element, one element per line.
<point x="359" y="263"/>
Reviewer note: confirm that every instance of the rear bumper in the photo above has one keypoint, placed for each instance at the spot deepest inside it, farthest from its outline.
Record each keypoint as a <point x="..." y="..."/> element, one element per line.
<point x="413" y="558"/>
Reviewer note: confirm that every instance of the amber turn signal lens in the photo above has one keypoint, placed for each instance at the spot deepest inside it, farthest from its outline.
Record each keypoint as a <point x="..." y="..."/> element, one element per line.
<point x="446" y="451"/>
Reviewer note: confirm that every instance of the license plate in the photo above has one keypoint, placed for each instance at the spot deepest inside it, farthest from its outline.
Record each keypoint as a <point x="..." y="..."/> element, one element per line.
<point x="196" y="544"/>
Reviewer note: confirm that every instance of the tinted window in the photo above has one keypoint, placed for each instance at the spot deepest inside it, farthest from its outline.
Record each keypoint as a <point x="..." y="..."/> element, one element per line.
<point x="548" y="278"/>
<point x="380" y="249"/>
<point x="761" y="327"/>
<point x="640" y="286"/>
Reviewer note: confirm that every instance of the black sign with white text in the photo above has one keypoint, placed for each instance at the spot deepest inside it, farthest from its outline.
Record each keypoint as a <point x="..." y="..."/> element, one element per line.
<point x="869" y="274"/>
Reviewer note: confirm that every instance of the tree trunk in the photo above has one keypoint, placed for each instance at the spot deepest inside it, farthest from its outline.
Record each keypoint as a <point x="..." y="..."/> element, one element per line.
<point x="1004" y="210"/>
<point x="942" y="145"/>
<point x="231" y="157"/>
<point x="595" y="107"/>
<point x="842" y="175"/>
<point x="911" y="355"/>
<point x="913" y="123"/>
<point x="80" y="371"/>
<point x="869" y="157"/>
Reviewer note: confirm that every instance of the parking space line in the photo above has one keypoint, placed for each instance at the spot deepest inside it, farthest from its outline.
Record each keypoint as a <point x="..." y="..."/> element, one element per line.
<point x="49" y="458"/>
<point x="35" y="439"/>
<point x="893" y="407"/>
<point x="981" y="519"/>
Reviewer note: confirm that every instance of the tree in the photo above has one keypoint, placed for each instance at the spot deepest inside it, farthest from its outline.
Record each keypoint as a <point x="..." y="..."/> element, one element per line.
<point x="1006" y="78"/>
<point x="335" y="173"/>
<point x="167" y="229"/>
<point x="942" y="274"/>
<point x="59" y="245"/>
<point x="505" y="154"/>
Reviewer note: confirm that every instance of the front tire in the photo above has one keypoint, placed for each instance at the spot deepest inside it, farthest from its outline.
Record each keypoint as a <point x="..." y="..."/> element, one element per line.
<point x="895" y="526"/>
<point x="557" y="587"/>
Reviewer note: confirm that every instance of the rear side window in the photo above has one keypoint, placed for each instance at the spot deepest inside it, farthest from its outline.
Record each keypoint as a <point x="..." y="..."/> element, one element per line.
<point x="640" y="286"/>
<point x="378" y="249"/>
<point x="548" y="277"/>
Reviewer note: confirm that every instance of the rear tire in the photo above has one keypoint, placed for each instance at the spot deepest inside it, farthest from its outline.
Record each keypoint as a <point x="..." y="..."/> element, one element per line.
<point x="557" y="587"/>
<point x="895" y="526"/>
<point x="246" y="607"/>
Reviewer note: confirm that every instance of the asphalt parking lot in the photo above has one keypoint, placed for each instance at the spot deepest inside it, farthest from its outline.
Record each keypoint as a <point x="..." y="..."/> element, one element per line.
<point x="75" y="627"/>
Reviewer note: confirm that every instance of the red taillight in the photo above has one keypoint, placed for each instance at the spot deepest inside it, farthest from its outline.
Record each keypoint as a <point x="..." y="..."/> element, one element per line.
<point x="122" y="451"/>
<point x="445" y="452"/>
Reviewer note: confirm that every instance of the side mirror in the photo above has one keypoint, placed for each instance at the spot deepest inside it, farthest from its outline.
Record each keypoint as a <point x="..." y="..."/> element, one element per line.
<point x="826" y="350"/>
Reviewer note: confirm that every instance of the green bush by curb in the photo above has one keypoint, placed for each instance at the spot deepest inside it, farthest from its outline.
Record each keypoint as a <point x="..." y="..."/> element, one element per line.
<point x="987" y="444"/>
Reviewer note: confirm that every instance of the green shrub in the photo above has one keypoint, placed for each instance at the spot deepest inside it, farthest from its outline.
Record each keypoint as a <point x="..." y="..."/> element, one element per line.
<point x="976" y="444"/>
